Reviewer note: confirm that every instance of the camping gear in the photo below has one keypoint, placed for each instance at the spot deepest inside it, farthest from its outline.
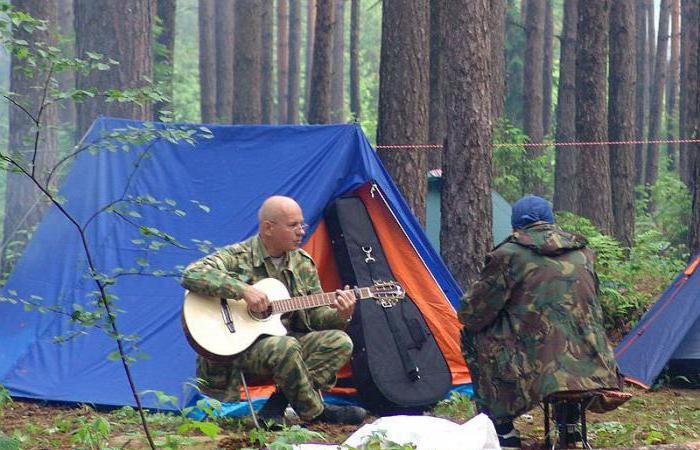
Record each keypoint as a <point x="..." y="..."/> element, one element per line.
<point x="397" y="365"/>
<point x="222" y="328"/>
<point x="669" y="333"/>
<point x="204" y="193"/>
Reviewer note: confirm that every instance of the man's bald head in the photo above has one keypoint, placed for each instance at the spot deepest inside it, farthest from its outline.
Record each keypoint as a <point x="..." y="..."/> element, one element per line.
<point x="275" y="207"/>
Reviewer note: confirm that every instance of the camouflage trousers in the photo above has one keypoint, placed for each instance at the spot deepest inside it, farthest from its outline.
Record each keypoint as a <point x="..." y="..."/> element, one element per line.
<point x="299" y="364"/>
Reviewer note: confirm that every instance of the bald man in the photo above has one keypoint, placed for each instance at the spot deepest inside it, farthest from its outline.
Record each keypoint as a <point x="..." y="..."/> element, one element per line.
<point x="315" y="347"/>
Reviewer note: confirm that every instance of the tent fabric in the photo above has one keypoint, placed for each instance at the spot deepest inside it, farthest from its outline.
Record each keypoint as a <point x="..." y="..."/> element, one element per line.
<point x="645" y="350"/>
<point x="229" y="176"/>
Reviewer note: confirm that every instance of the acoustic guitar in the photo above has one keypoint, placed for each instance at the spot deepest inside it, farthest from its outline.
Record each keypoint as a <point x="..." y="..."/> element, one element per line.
<point x="219" y="328"/>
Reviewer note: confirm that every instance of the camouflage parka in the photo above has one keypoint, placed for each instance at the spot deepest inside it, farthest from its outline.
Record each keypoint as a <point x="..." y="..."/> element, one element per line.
<point x="532" y="323"/>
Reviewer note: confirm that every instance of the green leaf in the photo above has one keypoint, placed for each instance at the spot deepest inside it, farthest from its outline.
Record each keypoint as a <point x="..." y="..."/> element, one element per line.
<point x="142" y="262"/>
<point x="114" y="356"/>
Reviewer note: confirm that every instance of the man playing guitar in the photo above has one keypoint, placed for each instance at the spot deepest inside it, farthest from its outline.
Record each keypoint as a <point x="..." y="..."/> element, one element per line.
<point x="306" y="359"/>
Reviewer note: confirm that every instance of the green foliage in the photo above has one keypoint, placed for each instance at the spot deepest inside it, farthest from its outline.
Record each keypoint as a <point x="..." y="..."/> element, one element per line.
<point x="458" y="406"/>
<point x="92" y="433"/>
<point x="5" y="398"/>
<point x="378" y="441"/>
<point x="665" y="207"/>
<point x="9" y="443"/>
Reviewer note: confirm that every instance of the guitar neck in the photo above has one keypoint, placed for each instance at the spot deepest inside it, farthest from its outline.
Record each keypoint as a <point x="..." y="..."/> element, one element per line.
<point x="312" y="301"/>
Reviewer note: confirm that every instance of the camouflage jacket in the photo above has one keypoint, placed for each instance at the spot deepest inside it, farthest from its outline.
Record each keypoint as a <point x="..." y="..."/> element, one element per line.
<point x="533" y="324"/>
<point x="226" y="272"/>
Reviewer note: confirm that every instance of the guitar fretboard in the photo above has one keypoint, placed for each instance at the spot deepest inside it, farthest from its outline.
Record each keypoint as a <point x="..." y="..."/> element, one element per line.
<point x="311" y="301"/>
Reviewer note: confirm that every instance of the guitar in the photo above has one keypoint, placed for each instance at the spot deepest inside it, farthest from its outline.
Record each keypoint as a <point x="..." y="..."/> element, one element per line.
<point x="220" y="329"/>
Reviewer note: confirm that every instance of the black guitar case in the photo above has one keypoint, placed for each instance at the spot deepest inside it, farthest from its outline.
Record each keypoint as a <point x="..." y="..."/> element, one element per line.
<point x="397" y="365"/>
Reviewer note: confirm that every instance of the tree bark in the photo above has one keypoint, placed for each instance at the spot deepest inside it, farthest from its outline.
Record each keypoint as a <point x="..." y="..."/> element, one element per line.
<point x="621" y="117"/>
<point x="691" y="84"/>
<point x="657" y="96"/>
<point x="225" y="43"/>
<point x="266" y="79"/>
<point x="310" y="31"/>
<point x="24" y="204"/>
<point x="207" y="61"/>
<point x="694" y="127"/>
<point x="355" y="106"/>
<point x="651" y="53"/>
<point x="294" y="61"/>
<point x="403" y="96"/>
<point x="593" y="161"/>
<point x="166" y="12"/>
<point x="282" y="59"/>
<point x="320" y="96"/>
<point x="337" y="66"/>
<point x="641" y="100"/>
<point x="682" y="131"/>
<point x="466" y="188"/>
<point x="247" y="62"/>
<point x="547" y="69"/>
<point x="532" y="87"/>
<point x="673" y="82"/>
<point x="565" y="198"/>
<point x="497" y="25"/>
<point x="101" y="27"/>
<point x="436" y="113"/>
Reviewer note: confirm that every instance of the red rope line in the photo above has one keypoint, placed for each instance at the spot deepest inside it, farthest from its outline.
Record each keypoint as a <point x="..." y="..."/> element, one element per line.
<point x="558" y="144"/>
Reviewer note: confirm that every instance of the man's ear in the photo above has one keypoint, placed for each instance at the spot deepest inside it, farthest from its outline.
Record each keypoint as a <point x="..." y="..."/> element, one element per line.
<point x="265" y="227"/>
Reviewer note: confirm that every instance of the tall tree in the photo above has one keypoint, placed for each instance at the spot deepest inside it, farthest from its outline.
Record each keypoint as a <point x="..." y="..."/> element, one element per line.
<point x="207" y="60"/>
<point x="497" y="25"/>
<point x="436" y="113"/>
<point x="320" y="89"/>
<point x="691" y="87"/>
<point x="532" y="86"/>
<point x="337" y="64"/>
<point x="282" y="59"/>
<point x="225" y="41"/>
<point x="657" y="95"/>
<point x="565" y="198"/>
<point x="247" y="62"/>
<point x="355" y="106"/>
<point x="164" y="51"/>
<point x="593" y="161"/>
<point x="621" y="117"/>
<point x="547" y="68"/>
<point x="101" y="27"/>
<point x="403" y="96"/>
<point x="24" y="205"/>
<point x="673" y="81"/>
<point x="66" y="79"/>
<point x="266" y="79"/>
<point x="294" y="61"/>
<point x="641" y="100"/>
<point x="651" y="52"/>
<point x="310" y="29"/>
<point x="466" y="188"/>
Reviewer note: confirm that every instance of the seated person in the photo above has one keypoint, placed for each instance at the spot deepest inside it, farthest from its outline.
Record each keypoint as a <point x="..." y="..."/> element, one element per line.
<point x="306" y="360"/>
<point x="532" y="323"/>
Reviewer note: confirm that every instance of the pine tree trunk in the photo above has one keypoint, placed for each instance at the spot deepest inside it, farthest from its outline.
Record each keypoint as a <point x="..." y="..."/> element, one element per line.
<point x="466" y="187"/>
<point x="593" y="161"/>
<point x="310" y="29"/>
<point x="225" y="43"/>
<point x="247" y="62"/>
<point x="673" y="82"/>
<point x="337" y="66"/>
<point x="207" y="60"/>
<point x="355" y="106"/>
<point x="163" y="58"/>
<point x="24" y="204"/>
<point x="547" y="69"/>
<point x="294" y="61"/>
<point x="690" y="87"/>
<point x="532" y="88"/>
<point x="403" y="96"/>
<point x="497" y="24"/>
<point x="621" y="117"/>
<point x="682" y="132"/>
<point x="436" y="115"/>
<point x="641" y="100"/>
<point x="282" y="59"/>
<point x="101" y="27"/>
<point x="266" y="79"/>
<point x="565" y="198"/>
<point x="651" y="60"/>
<point x="657" y="96"/>
<point x="320" y="89"/>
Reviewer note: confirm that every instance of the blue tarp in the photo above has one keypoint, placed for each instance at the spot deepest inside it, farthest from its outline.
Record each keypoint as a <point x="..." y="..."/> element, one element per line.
<point x="646" y="349"/>
<point x="230" y="175"/>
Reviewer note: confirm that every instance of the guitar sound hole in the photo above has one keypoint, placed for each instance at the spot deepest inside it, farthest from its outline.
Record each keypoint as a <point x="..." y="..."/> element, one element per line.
<point x="261" y="315"/>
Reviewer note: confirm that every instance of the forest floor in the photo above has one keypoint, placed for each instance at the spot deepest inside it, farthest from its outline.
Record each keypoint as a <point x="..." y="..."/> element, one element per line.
<point x="664" y="416"/>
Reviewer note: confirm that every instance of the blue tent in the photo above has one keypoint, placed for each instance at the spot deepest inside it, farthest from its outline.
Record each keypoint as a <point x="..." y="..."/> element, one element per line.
<point x="669" y="331"/>
<point x="207" y="191"/>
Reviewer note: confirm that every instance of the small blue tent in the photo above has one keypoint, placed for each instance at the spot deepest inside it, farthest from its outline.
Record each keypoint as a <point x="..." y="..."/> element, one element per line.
<point x="669" y="331"/>
<point x="206" y="191"/>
